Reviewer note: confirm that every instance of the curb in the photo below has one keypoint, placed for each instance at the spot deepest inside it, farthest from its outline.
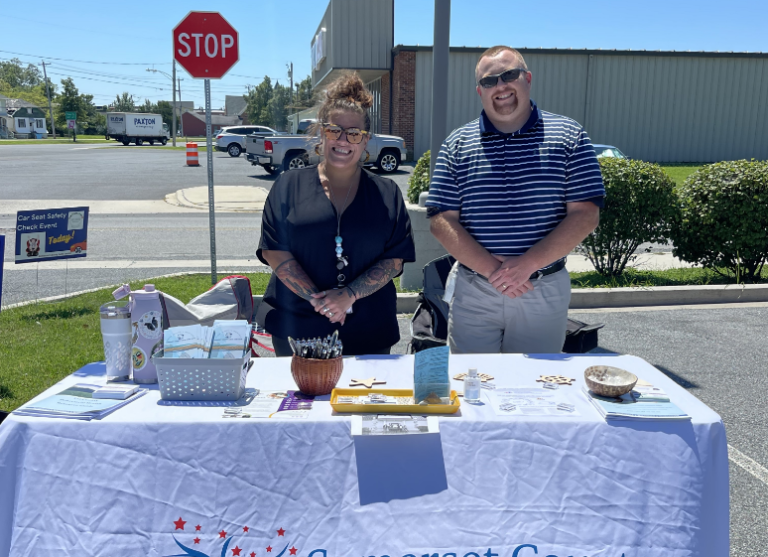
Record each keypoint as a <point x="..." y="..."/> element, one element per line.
<point x="581" y="298"/>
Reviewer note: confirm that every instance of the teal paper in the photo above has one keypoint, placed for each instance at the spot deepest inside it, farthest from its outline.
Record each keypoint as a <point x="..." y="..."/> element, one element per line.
<point x="430" y="373"/>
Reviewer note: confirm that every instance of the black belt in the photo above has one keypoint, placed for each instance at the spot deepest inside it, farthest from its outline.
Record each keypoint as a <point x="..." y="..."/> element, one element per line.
<point x="555" y="267"/>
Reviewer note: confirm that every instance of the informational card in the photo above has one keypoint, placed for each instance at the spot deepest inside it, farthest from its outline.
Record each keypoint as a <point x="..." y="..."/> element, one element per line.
<point x="531" y="401"/>
<point x="49" y="234"/>
<point x="393" y="424"/>
<point x="430" y="375"/>
<point x="272" y="404"/>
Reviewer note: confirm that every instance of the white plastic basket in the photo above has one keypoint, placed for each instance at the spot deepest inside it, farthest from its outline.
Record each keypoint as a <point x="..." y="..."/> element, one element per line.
<point x="202" y="379"/>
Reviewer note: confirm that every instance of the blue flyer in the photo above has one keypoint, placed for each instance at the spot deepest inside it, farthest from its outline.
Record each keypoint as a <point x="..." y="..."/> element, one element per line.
<point x="430" y="374"/>
<point x="49" y="234"/>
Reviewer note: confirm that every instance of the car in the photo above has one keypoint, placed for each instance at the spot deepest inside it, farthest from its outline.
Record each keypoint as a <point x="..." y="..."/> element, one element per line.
<point x="78" y="247"/>
<point x="232" y="139"/>
<point x="304" y="125"/>
<point x="608" y="151"/>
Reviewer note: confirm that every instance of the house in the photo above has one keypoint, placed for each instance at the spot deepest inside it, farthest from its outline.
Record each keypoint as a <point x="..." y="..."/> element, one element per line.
<point x="3" y="117"/>
<point x="193" y="123"/>
<point x="25" y="120"/>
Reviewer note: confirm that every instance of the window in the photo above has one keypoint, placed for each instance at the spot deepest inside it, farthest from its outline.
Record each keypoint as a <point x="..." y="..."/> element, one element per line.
<point x="39" y="124"/>
<point x="22" y="123"/>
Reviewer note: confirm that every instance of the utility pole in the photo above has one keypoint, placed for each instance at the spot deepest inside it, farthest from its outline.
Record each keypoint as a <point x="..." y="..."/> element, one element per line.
<point x="173" y="86"/>
<point x="50" y="106"/>
<point x="290" y="76"/>
<point x="181" y="110"/>
<point x="440" y="55"/>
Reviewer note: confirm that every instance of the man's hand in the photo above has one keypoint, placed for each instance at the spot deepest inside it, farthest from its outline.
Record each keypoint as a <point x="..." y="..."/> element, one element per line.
<point x="512" y="278"/>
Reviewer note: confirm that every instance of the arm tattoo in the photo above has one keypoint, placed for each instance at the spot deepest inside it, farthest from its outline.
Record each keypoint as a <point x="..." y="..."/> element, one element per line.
<point x="376" y="277"/>
<point x="295" y="278"/>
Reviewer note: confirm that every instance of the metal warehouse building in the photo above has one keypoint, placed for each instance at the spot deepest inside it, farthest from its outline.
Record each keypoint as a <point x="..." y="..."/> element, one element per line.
<point x="653" y="105"/>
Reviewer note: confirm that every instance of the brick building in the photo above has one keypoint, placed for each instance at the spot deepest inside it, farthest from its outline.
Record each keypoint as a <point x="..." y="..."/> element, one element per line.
<point x="650" y="104"/>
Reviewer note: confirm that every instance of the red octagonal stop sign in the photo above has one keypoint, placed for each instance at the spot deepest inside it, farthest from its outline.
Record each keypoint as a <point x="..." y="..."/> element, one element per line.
<point x="205" y="44"/>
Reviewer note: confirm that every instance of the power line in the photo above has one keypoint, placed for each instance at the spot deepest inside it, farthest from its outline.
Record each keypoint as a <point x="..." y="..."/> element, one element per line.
<point x="87" y="61"/>
<point x="106" y="81"/>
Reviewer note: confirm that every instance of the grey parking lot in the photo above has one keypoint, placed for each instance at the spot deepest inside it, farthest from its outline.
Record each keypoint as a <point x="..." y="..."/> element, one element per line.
<point x="718" y="354"/>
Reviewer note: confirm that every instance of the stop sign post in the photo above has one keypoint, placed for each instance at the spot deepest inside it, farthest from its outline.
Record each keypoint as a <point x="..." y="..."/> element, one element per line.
<point x="207" y="46"/>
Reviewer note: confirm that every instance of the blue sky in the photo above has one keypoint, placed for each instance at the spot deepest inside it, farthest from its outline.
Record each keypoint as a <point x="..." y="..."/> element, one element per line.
<point x="274" y="33"/>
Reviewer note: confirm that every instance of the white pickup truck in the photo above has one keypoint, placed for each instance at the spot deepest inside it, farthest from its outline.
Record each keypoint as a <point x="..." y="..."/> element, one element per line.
<point x="285" y="152"/>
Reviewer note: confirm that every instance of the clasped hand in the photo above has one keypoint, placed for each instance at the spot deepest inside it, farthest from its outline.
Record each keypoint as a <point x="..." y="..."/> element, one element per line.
<point x="512" y="278"/>
<point x="333" y="304"/>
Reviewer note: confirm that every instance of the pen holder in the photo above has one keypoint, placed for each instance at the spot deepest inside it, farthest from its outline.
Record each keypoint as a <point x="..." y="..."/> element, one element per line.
<point x="316" y="377"/>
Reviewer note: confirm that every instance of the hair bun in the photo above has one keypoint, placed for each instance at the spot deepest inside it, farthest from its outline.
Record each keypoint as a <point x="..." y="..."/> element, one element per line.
<point x="350" y="88"/>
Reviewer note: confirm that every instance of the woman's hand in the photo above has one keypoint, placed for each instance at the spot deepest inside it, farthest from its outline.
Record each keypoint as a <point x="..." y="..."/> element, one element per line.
<point x="333" y="304"/>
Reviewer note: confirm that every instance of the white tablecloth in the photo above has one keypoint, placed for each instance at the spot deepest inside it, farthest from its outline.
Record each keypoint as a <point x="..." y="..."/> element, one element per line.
<point x="150" y="478"/>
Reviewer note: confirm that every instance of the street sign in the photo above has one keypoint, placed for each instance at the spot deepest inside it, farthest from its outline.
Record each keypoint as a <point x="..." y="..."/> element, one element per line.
<point x="70" y="115"/>
<point x="205" y="45"/>
<point x="71" y="124"/>
<point x="48" y="234"/>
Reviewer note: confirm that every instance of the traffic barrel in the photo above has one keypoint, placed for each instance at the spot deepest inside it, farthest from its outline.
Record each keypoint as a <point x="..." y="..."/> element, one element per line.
<point x="192" y="155"/>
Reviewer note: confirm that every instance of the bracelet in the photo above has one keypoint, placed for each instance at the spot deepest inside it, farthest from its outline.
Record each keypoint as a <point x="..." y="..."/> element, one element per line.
<point x="354" y="294"/>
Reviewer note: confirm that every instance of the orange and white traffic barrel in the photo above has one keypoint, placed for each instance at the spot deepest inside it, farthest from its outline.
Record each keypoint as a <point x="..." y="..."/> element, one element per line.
<point x="192" y="155"/>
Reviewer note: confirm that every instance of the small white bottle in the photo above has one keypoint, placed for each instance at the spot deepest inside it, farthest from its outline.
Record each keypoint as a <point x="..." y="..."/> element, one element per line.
<point x="472" y="386"/>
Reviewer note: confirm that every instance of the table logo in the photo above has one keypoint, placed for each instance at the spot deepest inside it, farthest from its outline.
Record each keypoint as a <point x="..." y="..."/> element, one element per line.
<point x="247" y="541"/>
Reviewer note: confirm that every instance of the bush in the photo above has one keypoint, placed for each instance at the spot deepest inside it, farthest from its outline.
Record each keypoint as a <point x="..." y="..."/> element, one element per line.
<point x="640" y="206"/>
<point x="419" y="180"/>
<point x="723" y="221"/>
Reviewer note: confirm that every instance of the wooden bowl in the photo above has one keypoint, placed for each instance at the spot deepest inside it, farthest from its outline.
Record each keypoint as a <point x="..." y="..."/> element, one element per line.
<point x="316" y="377"/>
<point x="609" y="381"/>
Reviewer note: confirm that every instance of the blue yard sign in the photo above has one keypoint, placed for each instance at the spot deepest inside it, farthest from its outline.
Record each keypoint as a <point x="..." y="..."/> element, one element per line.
<point x="50" y="234"/>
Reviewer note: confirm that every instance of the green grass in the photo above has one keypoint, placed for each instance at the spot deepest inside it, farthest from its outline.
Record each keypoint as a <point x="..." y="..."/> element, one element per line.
<point x="679" y="173"/>
<point x="694" y="276"/>
<point x="42" y="343"/>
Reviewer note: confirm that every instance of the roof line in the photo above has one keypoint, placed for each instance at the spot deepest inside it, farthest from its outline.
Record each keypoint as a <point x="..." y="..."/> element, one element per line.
<point x="593" y="51"/>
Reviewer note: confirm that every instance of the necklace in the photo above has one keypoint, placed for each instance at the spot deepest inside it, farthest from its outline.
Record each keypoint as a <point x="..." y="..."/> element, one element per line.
<point x="341" y="260"/>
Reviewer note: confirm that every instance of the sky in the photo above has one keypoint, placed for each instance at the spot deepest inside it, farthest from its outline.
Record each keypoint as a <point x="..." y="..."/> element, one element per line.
<point x="107" y="53"/>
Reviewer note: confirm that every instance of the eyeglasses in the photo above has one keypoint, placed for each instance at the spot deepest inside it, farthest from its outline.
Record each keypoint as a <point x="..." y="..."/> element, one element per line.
<point x="508" y="76"/>
<point x="354" y="135"/>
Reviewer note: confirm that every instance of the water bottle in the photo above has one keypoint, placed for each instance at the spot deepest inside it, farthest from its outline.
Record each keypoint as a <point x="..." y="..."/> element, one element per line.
<point x="116" y="334"/>
<point x="146" y="330"/>
<point x="472" y="386"/>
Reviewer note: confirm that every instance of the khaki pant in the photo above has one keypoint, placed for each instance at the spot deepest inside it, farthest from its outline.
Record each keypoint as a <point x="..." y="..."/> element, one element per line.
<point x="484" y="321"/>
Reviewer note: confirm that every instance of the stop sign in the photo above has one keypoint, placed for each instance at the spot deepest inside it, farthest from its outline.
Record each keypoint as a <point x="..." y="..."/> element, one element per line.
<point x="205" y="45"/>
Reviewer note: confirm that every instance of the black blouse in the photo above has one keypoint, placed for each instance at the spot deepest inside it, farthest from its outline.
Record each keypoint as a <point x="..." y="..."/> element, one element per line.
<point x="299" y="218"/>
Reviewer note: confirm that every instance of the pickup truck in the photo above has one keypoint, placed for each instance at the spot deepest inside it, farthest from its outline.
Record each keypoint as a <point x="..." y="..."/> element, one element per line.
<point x="285" y="152"/>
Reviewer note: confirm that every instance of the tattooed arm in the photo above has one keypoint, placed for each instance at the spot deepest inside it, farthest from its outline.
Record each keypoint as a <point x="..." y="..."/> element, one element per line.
<point x="291" y="274"/>
<point x="338" y="301"/>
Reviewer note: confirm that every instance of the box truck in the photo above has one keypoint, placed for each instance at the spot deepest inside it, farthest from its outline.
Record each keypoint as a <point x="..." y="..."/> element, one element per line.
<point x="132" y="127"/>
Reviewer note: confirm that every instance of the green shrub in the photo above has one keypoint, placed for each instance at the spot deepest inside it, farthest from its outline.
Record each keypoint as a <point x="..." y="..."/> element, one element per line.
<point x="640" y="205"/>
<point x="723" y="221"/>
<point x="419" y="180"/>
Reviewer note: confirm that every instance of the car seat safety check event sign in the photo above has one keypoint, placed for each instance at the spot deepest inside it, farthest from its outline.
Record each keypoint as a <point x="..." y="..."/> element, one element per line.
<point x="49" y="234"/>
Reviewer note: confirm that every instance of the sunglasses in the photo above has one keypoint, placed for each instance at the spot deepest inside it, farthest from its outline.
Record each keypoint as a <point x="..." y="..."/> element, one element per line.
<point x="507" y="77"/>
<point x="354" y="135"/>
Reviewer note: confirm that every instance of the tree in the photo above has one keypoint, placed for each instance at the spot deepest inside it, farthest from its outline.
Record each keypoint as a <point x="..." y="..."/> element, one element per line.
<point x="304" y="94"/>
<point x="164" y="109"/>
<point x="257" y="103"/>
<point x="70" y="100"/>
<point x="146" y="107"/>
<point x="125" y="103"/>
<point x="277" y="106"/>
<point x="14" y="76"/>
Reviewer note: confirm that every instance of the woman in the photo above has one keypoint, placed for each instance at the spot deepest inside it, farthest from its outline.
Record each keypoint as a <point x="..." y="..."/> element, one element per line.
<point x="335" y="236"/>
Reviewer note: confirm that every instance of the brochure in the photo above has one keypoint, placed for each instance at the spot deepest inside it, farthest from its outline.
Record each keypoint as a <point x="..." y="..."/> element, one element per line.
<point x="531" y="401"/>
<point x="430" y="376"/>
<point x="76" y="402"/>
<point x="626" y="409"/>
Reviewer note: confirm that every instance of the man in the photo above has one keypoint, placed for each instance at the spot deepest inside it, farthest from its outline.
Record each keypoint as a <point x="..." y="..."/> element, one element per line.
<point x="512" y="194"/>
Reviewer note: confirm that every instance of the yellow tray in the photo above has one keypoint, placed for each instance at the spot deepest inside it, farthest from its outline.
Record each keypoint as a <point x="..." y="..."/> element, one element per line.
<point x="391" y="408"/>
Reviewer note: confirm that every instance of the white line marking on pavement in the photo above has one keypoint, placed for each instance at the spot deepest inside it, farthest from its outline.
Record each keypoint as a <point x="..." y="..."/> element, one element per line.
<point x="84" y="263"/>
<point x="740" y="305"/>
<point x="743" y="461"/>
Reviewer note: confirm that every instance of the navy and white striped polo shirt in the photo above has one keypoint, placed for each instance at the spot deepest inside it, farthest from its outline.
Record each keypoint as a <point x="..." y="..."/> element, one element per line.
<point x="511" y="189"/>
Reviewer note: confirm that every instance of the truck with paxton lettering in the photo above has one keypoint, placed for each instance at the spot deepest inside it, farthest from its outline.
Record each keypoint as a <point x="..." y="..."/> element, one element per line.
<point x="133" y="127"/>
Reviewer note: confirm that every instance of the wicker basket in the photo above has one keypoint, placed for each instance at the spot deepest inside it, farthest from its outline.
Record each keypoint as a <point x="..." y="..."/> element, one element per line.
<point x="316" y="377"/>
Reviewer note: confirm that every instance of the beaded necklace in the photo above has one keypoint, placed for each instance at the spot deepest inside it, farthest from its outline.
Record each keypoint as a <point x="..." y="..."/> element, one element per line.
<point x="341" y="260"/>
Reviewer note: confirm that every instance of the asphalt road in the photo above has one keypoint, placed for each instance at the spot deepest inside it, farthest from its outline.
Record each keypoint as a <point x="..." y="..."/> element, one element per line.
<point x="117" y="172"/>
<point x="717" y="354"/>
